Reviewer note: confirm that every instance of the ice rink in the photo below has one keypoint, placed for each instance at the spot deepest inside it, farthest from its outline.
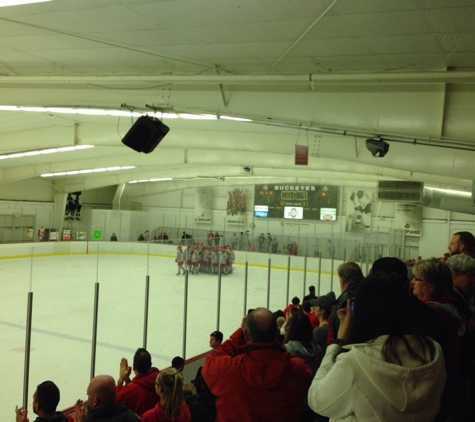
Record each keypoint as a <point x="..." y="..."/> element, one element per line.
<point x="63" y="303"/>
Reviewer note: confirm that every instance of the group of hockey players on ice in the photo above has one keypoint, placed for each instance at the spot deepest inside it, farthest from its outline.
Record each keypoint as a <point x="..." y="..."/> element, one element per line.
<point x="198" y="258"/>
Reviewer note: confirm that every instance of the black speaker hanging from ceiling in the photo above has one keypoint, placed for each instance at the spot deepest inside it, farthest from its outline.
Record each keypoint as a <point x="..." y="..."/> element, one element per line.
<point x="145" y="134"/>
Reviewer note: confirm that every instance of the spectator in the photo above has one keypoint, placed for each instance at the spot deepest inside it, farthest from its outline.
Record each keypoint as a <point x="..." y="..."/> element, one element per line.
<point x="216" y="239"/>
<point x="113" y="237"/>
<point x="137" y="394"/>
<point x="299" y="341"/>
<point x="295" y="304"/>
<point x="234" y="241"/>
<point x="269" y="242"/>
<point x="462" y="243"/>
<point x="203" y="405"/>
<point x="254" y="377"/>
<point x="295" y="248"/>
<point x="350" y="275"/>
<point x="178" y="363"/>
<point x="307" y="310"/>
<point x="390" y="371"/>
<point x="311" y="294"/>
<point x="141" y="237"/>
<point x="45" y="401"/>
<point x="275" y="245"/>
<point x="331" y="249"/>
<point x="322" y="307"/>
<point x="463" y="276"/>
<point x="171" y="407"/>
<point x="431" y="323"/>
<point x="261" y="240"/>
<point x="188" y="390"/>
<point x="101" y="403"/>
<point x="215" y="339"/>
<point x="433" y="285"/>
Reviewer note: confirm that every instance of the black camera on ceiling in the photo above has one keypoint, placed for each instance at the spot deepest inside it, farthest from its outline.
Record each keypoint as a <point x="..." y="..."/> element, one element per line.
<point x="377" y="147"/>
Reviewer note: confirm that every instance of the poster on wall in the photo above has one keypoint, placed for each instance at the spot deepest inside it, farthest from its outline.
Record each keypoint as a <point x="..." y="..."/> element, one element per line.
<point x="81" y="236"/>
<point x="203" y="205"/>
<point x="358" y="210"/>
<point x="66" y="234"/>
<point x="408" y="217"/>
<point x="53" y="235"/>
<point x="236" y="207"/>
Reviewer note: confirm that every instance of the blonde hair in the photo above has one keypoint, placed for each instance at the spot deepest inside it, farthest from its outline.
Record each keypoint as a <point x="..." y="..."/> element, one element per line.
<point x="171" y="383"/>
<point x="188" y="386"/>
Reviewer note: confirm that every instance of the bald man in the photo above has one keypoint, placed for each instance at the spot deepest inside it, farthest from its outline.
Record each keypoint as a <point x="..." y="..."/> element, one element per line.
<point x="253" y="375"/>
<point x="101" y="403"/>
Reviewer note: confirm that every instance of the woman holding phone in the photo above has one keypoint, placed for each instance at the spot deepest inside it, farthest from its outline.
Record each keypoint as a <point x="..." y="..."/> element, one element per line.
<point x="381" y="366"/>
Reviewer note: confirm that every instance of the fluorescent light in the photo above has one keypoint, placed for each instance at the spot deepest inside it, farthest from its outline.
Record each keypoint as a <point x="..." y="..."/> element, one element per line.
<point x="98" y="170"/>
<point x="236" y="119"/>
<point x="44" y="151"/>
<point x="160" y="179"/>
<point x="197" y="116"/>
<point x="5" y="3"/>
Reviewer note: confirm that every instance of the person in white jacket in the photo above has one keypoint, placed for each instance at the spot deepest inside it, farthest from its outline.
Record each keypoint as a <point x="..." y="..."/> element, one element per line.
<point x="390" y="372"/>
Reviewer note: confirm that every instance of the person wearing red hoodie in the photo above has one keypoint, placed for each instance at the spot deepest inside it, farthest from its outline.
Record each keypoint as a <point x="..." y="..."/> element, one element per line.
<point x="138" y="394"/>
<point x="171" y="407"/>
<point x="254" y="377"/>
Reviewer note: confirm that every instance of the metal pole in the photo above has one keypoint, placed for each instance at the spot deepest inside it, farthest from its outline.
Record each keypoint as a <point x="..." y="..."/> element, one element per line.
<point x="26" y="373"/>
<point x="288" y="280"/>
<point x="145" y="316"/>
<point x="344" y="255"/>
<point x="94" y="330"/>
<point x="304" y="276"/>
<point x="319" y="272"/>
<point x="185" y="314"/>
<point x="331" y="280"/>
<point x="218" y="315"/>
<point x="268" y="284"/>
<point x="245" y="287"/>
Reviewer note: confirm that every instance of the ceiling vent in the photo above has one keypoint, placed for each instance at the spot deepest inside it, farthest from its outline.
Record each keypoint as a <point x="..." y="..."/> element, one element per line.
<point x="400" y="191"/>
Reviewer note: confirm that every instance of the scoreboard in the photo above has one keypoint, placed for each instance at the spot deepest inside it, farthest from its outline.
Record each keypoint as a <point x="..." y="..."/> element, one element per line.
<point x="296" y="201"/>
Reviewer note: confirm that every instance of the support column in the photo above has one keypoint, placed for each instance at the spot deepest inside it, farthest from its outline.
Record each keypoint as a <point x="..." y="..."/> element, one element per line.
<point x="60" y="200"/>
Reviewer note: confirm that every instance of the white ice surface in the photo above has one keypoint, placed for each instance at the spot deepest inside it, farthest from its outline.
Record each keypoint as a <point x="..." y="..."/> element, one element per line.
<point x="63" y="302"/>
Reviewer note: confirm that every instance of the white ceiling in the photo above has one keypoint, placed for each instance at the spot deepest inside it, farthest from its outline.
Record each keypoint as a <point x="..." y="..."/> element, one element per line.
<point x="326" y="73"/>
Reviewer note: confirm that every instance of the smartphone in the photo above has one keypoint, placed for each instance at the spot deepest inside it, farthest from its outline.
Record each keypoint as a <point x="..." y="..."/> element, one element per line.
<point x="352" y="301"/>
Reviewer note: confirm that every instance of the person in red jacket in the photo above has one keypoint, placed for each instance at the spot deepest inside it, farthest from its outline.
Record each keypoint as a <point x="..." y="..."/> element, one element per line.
<point x="171" y="407"/>
<point x="138" y="394"/>
<point x="254" y="377"/>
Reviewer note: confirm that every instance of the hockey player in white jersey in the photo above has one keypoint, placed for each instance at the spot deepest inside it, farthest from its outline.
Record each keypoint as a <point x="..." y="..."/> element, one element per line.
<point x="180" y="259"/>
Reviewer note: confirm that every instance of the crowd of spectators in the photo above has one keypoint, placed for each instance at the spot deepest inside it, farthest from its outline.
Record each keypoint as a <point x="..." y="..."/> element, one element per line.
<point x="396" y="345"/>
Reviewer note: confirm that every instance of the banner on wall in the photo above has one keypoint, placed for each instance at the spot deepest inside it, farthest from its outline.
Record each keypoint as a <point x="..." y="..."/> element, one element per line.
<point x="358" y="210"/>
<point x="66" y="234"/>
<point x="236" y="207"/>
<point x="203" y="205"/>
<point x="408" y="217"/>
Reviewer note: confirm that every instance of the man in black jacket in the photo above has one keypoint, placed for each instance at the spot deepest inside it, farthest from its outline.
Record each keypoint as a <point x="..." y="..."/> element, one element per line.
<point x="45" y="401"/>
<point x="350" y="275"/>
<point x="101" y="403"/>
